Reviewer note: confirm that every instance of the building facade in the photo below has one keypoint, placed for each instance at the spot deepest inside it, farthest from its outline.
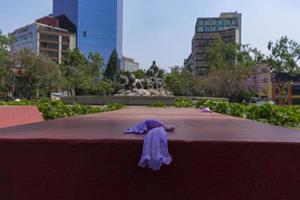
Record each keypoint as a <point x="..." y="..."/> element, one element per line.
<point x="45" y="37"/>
<point x="129" y="64"/>
<point x="99" y="24"/>
<point x="291" y="89"/>
<point x="228" y="27"/>
<point x="260" y="82"/>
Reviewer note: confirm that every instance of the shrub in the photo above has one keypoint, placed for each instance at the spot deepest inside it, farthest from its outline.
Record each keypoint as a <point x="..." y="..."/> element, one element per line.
<point x="114" y="106"/>
<point x="183" y="103"/>
<point x="158" y="104"/>
<point x="267" y="113"/>
<point x="57" y="109"/>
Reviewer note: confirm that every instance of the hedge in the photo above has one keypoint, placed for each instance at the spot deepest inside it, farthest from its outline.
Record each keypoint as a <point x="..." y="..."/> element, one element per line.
<point x="286" y="116"/>
<point x="56" y="109"/>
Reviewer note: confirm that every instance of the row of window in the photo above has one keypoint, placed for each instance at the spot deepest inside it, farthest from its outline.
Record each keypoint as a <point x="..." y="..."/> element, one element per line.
<point x="50" y="54"/>
<point x="217" y="22"/>
<point x="54" y="38"/>
<point x="295" y="90"/>
<point x="213" y="28"/>
<point x="24" y="37"/>
<point x="49" y="37"/>
<point x="53" y="46"/>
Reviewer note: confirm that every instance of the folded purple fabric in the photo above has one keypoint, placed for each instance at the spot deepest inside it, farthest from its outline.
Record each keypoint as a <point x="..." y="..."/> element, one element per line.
<point x="155" y="149"/>
<point x="206" y="110"/>
<point x="144" y="127"/>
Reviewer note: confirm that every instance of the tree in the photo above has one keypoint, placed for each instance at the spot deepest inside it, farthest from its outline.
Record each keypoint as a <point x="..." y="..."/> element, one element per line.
<point x="230" y="66"/>
<point x="228" y="55"/>
<point x="112" y="68"/>
<point x="95" y="64"/>
<point x="179" y="81"/>
<point x="40" y="76"/>
<point x="284" y="58"/>
<point x="7" y="77"/>
<point x="83" y="76"/>
<point x="104" y="87"/>
<point x="139" y="74"/>
<point x="74" y="71"/>
<point x="226" y="83"/>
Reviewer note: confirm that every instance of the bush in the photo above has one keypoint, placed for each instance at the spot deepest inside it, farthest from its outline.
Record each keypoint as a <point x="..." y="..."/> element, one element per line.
<point x="158" y="104"/>
<point x="57" y="109"/>
<point x="183" y="103"/>
<point x="113" y="106"/>
<point x="267" y="113"/>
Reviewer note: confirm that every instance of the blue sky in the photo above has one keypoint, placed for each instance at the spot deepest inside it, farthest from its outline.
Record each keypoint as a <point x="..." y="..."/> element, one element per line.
<point x="162" y="30"/>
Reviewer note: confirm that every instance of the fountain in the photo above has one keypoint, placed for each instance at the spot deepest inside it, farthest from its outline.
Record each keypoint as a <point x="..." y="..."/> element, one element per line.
<point x="151" y="85"/>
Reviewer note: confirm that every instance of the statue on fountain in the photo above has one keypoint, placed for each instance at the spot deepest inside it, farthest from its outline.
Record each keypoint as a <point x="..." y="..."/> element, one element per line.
<point x="151" y="85"/>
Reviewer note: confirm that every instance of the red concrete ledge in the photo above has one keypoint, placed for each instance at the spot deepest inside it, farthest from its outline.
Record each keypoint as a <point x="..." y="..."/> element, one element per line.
<point x="88" y="157"/>
<point x="19" y="115"/>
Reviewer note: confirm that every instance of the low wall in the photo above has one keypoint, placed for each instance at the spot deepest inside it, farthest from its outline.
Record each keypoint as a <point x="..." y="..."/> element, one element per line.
<point x="19" y="115"/>
<point x="127" y="100"/>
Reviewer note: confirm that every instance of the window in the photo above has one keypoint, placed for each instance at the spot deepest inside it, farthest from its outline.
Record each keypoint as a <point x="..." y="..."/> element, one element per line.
<point x="213" y="28"/>
<point x="213" y="22"/>
<point x="296" y="90"/>
<point x="201" y="22"/>
<point x="49" y="45"/>
<point x="65" y="47"/>
<point x="207" y="22"/>
<point x="200" y="29"/>
<point x="234" y="22"/>
<point x="84" y="34"/>
<point x="220" y="28"/>
<point x="227" y="22"/>
<point x="49" y="37"/>
<point x="65" y="39"/>
<point x="296" y="102"/>
<point x="220" y="22"/>
<point x="207" y="29"/>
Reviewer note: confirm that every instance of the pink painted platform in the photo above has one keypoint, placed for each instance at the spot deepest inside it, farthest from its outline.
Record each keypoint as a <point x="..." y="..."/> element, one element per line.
<point x="19" y="115"/>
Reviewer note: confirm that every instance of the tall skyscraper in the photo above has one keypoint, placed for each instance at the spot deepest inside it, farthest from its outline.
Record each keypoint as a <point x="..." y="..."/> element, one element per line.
<point x="228" y="27"/>
<point x="99" y="24"/>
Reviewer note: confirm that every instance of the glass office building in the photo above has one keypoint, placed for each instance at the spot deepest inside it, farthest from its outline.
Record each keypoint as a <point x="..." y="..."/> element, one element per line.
<point x="99" y="24"/>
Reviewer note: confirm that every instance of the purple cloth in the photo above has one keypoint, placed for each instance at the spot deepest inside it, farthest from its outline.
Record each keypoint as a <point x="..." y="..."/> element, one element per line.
<point x="155" y="148"/>
<point x="144" y="127"/>
<point x="206" y="110"/>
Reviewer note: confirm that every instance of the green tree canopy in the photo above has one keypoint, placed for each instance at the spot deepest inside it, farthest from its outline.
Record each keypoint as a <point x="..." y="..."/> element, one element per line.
<point x="40" y="75"/>
<point x="284" y="55"/>
<point x="112" y="68"/>
<point x="284" y="58"/>
<point x="229" y="55"/>
<point x="7" y="77"/>
<point x="139" y="74"/>
<point x="230" y="67"/>
<point x="83" y="75"/>
<point x="179" y="81"/>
